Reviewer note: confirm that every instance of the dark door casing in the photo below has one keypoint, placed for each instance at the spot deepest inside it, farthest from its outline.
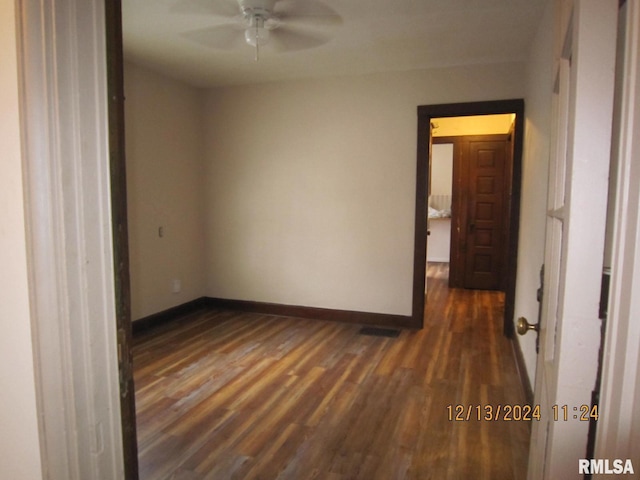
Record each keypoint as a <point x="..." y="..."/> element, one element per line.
<point x="426" y="113"/>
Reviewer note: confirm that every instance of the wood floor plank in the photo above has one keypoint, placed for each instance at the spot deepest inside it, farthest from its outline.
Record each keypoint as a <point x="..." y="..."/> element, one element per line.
<point x="224" y="395"/>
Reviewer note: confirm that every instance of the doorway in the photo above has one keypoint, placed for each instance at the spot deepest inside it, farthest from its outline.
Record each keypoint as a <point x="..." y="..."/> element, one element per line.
<point x="428" y="116"/>
<point x="439" y="207"/>
<point x="469" y="192"/>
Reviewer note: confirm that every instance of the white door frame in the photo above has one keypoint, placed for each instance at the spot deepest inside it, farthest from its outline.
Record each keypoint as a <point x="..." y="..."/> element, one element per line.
<point x="618" y="431"/>
<point x="63" y="101"/>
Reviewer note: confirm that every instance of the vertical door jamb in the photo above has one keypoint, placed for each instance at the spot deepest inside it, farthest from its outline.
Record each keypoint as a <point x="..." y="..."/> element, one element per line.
<point x="115" y="78"/>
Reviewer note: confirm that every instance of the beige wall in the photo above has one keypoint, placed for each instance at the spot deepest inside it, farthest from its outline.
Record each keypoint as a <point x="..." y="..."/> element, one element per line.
<point x="19" y="443"/>
<point x="534" y="181"/>
<point x="164" y="189"/>
<point x="311" y="184"/>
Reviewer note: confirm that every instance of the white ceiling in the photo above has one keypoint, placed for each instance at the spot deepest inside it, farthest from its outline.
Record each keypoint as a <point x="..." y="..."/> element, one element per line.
<point x="374" y="36"/>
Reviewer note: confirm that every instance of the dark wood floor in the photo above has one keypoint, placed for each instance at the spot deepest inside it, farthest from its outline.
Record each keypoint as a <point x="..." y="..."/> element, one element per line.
<point x="226" y="395"/>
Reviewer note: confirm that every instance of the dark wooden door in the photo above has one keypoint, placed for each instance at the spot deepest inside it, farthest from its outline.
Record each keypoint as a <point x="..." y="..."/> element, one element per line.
<point x="486" y="166"/>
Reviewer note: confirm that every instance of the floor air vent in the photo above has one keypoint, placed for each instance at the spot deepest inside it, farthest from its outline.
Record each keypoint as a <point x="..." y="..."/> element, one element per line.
<point x="379" y="332"/>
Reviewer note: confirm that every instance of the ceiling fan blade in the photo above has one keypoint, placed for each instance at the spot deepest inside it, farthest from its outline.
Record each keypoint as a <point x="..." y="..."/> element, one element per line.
<point x="306" y="12"/>
<point x="311" y="20"/>
<point x="221" y="8"/>
<point x="289" y="39"/>
<point x="225" y="37"/>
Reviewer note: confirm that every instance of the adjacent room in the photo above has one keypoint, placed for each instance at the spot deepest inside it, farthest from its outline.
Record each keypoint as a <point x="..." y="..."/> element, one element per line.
<point x="271" y="208"/>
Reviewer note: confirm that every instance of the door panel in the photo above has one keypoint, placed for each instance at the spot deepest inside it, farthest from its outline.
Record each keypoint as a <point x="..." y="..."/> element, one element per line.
<point x="486" y="164"/>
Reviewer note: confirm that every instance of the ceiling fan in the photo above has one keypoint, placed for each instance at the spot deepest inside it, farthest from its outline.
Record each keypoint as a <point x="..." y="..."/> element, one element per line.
<point x="284" y="24"/>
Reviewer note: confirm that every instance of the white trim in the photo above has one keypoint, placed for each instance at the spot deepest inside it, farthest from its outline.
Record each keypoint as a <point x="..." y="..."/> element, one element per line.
<point x="64" y="106"/>
<point x="618" y="432"/>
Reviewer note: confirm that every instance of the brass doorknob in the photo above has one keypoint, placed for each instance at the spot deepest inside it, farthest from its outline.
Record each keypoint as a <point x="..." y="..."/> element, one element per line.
<point x="523" y="326"/>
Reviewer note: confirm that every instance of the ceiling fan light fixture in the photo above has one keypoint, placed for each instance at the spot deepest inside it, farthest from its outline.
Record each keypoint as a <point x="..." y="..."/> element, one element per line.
<point x="257" y="31"/>
<point x="256" y="35"/>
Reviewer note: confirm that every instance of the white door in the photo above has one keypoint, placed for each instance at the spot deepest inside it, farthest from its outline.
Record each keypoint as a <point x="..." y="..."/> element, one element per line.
<point x="578" y="181"/>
